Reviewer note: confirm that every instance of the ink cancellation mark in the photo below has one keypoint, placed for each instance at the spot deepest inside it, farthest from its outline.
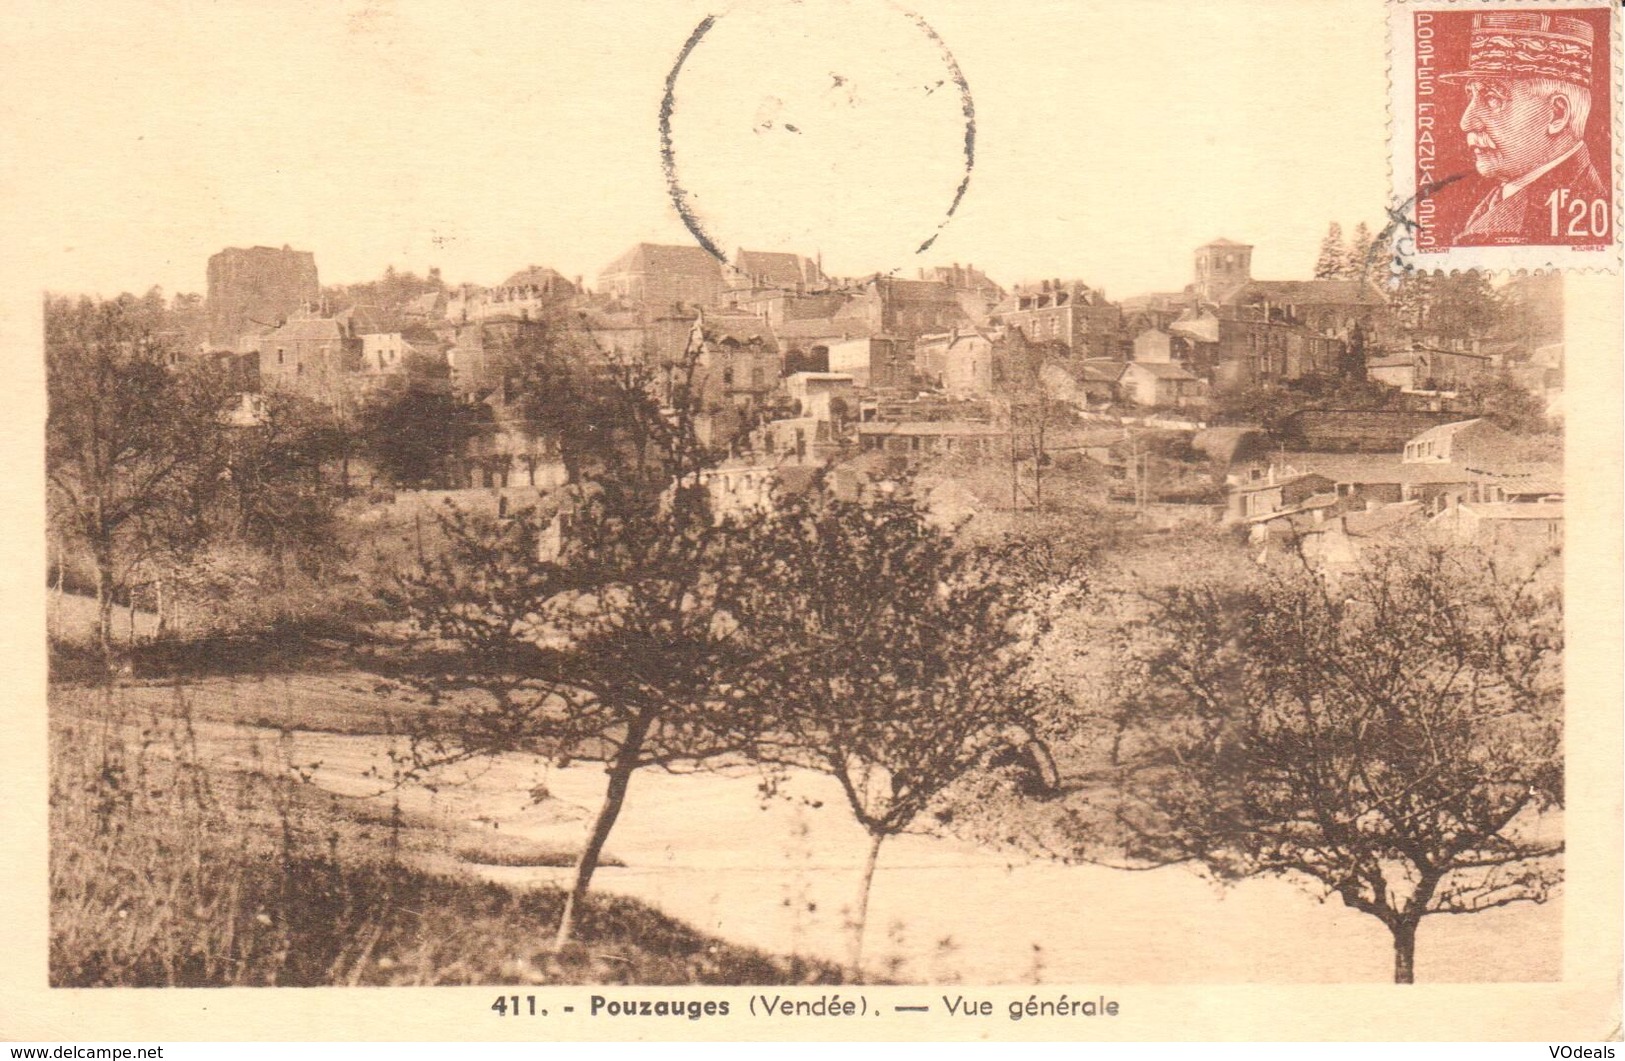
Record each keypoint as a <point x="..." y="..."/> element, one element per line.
<point x="836" y="121"/>
<point x="1505" y="133"/>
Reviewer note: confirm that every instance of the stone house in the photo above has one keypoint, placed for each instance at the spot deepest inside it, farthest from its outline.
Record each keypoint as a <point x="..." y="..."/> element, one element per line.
<point x="1456" y="443"/>
<point x="1157" y="384"/>
<point x="1490" y="524"/>
<point x="661" y="277"/>
<point x="1069" y="313"/>
<point x="314" y="356"/>
<point x="878" y="362"/>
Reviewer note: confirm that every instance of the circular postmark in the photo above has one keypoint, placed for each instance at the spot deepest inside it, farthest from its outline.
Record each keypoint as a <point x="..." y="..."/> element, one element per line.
<point x="838" y="127"/>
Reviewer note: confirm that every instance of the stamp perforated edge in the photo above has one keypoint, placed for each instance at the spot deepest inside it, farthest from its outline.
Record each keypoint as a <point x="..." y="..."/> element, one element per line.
<point x="1402" y="157"/>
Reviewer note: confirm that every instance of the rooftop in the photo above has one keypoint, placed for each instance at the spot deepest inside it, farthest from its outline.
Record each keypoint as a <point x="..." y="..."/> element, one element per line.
<point x="308" y="329"/>
<point x="1513" y="509"/>
<point x="1382" y="468"/>
<point x="776" y="268"/>
<point x="1446" y="430"/>
<point x="1377" y="520"/>
<point x="1304" y="292"/>
<point x="665" y="258"/>
<point x="538" y="276"/>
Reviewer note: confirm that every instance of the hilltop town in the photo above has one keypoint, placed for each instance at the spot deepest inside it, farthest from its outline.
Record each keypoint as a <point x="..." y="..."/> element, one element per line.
<point x="1326" y="409"/>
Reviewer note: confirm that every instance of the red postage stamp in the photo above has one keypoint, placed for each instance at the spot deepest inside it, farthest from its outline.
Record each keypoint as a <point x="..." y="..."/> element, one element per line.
<point x="1505" y="134"/>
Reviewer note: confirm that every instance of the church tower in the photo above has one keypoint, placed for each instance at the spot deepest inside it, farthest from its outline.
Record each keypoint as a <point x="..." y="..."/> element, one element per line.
<point x="1222" y="266"/>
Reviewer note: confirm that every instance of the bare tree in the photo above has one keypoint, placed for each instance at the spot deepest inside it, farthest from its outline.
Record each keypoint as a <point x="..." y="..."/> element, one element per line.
<point x="273" y="496"/>
<point x="896" y="662"/>
<point x="614" y="643"/>
<point x="1393" y="738"/>
<point x="132" y="438"/>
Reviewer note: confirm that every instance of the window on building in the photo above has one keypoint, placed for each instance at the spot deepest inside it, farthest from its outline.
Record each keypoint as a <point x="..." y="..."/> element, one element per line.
<point x="279" y="358"/>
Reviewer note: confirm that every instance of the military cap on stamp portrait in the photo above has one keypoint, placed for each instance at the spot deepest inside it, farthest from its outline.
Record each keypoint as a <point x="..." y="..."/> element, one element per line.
<point x="1508" y="132"/>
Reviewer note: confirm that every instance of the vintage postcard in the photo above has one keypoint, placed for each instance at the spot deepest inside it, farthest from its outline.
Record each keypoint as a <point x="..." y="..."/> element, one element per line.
<point x="812" y="519"/>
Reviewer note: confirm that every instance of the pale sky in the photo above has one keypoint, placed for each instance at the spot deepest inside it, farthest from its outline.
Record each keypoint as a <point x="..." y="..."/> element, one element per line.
<point x="1111" y="138"/>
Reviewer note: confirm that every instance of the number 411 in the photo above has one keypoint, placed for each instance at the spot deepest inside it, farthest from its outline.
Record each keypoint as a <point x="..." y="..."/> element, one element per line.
<point x="509" y="1006"/>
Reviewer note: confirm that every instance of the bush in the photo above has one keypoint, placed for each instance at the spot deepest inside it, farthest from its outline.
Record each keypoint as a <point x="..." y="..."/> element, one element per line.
<point x="166" y="873"/>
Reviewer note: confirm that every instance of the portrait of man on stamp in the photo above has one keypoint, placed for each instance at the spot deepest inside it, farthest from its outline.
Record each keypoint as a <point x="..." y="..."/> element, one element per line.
<point x="1526" y="101"/>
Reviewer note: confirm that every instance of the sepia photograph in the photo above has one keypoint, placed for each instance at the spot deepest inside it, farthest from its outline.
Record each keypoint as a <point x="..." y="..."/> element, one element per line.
<point x="819" y="494"/>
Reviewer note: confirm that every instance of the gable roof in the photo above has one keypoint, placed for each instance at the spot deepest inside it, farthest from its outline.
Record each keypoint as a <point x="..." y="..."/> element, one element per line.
<point x="665" y="258"/>
<point x="776" y="268"/>
<point x="1304" y="293"/>
<point x="539" y="276"/>
<point x="1443" y="431"/>
<point x="308" y="330"/>
<point x="1201" y="326"/>
<point x="1384" y="517"/>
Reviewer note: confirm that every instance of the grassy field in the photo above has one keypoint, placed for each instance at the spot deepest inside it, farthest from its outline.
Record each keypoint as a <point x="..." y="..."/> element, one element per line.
<point x="240" y="831"/>
<point x="167" y="870"/>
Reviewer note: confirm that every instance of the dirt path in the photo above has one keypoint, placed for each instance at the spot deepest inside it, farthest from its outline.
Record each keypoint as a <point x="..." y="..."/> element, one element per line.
<point x="782" y="876"/>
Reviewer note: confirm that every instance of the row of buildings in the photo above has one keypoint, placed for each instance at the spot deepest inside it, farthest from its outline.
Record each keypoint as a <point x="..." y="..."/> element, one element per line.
<point x="780" y="342"/>
<point x="950" y="328"/>
<point x="1466" y="479"/>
